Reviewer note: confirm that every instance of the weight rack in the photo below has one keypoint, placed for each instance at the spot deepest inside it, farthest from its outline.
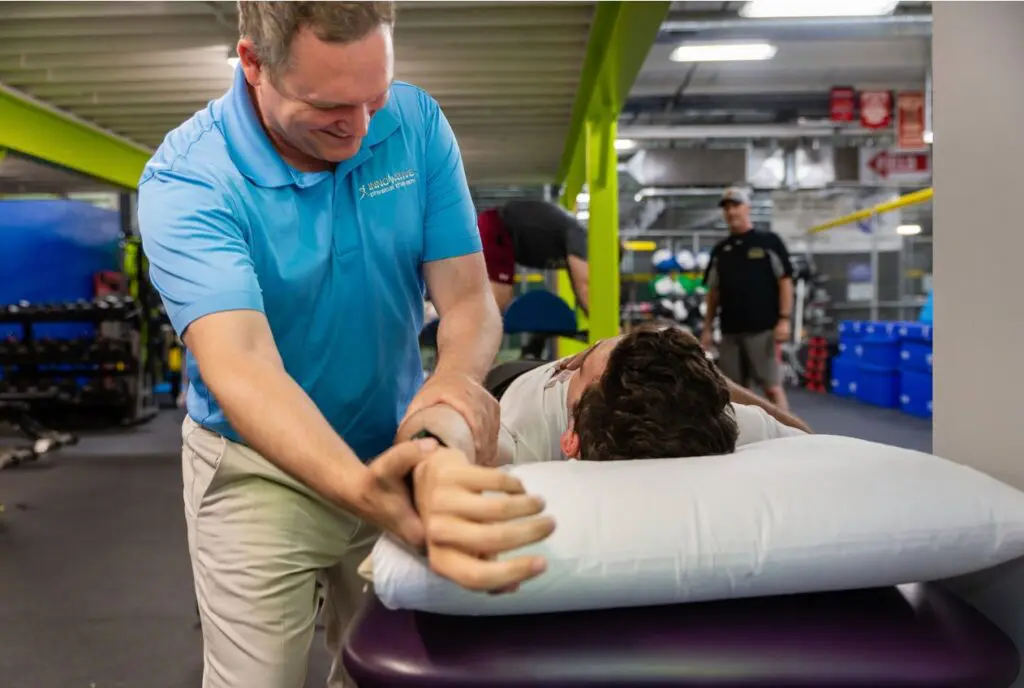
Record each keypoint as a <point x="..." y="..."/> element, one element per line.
<point x="101" y="374"/>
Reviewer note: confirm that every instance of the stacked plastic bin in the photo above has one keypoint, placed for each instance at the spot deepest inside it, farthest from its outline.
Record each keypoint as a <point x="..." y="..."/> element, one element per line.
<point x="843" y="380"/>
<point x="878" y="364"/>
<point x="916" y="369"/>
<point x="887" y="364"/>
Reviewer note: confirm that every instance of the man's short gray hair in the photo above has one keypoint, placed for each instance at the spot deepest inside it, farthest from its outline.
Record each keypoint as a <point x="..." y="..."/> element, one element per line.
<point x="272" y="26"/>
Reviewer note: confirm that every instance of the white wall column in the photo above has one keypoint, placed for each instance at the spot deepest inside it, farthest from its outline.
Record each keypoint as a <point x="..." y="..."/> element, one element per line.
<point x="977" y="57"/>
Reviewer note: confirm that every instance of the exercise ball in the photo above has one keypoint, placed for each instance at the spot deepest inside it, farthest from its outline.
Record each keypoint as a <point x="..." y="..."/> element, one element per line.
<point x="680" y="311"/>
<point x="663" y="286"/>
<point x="686" y="260"/>
<point x="663" y="260"/>
<point x="703" y="260"/>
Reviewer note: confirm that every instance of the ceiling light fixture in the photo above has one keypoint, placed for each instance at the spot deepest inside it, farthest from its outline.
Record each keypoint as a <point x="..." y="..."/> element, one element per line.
<point x="908" y="230"/>
<point x="624" y="144"/>
<point x="776" y="9"/>
<point x="724" y="52"/>
<point x="583" y="215"/>
<point x="929" y="137"/>
<point x="582" y="198"/>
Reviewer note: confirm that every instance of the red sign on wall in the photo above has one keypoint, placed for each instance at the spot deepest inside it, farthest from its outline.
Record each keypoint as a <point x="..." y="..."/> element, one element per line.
<point x="887" y="164"/>
<point x="876" y="109"/>
<point x="842" y="104"/>
<point x="910" y="120"/>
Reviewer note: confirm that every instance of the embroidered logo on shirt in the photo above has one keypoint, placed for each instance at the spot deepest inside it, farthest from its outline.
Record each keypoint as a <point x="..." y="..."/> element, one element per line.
<point x="387" y="184"/>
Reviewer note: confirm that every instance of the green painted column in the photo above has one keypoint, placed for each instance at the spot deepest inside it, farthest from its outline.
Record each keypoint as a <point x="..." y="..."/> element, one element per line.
<point x="568" y="347"/>
<point x="603" y="249"/>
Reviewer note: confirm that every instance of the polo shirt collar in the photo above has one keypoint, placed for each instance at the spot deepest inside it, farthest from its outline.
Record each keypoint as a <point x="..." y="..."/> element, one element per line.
<point x="255" y="156"/>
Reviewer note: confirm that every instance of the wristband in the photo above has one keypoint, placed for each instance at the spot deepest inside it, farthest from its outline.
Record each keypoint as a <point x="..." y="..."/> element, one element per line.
<point x="785" y="317"/>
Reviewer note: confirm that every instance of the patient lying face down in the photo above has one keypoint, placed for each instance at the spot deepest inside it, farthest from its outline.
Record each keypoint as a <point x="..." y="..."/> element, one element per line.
<point x="648" y="394"/>
<point x="658" y="397"/>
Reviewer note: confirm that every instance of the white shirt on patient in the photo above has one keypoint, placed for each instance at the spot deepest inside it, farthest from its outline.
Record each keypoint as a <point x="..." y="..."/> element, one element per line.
<point x="534" y="414"/>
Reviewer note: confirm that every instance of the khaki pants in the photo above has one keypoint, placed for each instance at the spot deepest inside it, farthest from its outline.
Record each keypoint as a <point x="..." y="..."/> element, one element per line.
<point x="260" y="542"/>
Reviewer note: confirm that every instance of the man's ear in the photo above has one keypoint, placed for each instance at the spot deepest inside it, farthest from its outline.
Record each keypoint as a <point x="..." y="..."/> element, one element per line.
<point x="570" y="444"/>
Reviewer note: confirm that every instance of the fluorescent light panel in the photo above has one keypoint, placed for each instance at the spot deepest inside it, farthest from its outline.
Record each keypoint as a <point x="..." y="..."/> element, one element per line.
<point x="908" y="230"/>
<point x="764" y="9"/>
<point x="723" y="52"/>
<point x="583" y="215"/>
<point x="625" y="144"/>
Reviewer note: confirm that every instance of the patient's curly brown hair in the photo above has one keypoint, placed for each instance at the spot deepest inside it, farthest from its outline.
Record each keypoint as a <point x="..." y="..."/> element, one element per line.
<point x="660" y="397"/>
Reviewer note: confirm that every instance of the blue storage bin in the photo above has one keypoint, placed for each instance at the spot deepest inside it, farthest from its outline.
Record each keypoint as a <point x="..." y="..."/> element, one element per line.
<point x="878" y="386"/>
<point x="918" y="332"/>
<point x="916" y="356"/>
<point x="843" y="382"/>
<point x="916" y="393"/>
<point x="880" y="331"/>
<point x="850" y="329"/>
<point x="878" y="352"/>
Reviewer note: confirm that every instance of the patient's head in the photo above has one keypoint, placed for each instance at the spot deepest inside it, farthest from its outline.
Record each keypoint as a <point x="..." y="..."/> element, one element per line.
<point x="658" y="397"/>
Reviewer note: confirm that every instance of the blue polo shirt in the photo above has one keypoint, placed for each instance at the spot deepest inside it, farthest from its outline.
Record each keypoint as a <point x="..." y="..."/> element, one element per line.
<point x="334" y="259"/>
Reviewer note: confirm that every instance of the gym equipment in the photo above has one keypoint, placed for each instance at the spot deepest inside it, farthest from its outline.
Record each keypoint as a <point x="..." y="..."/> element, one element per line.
<point x="703" y="260"/>
<point x="916" y="635"/>
<point x="543" y="316"/>
<point x="663" y="286"/>
<point x="686" y="260"/>
<point x="58" y="356"/>
<point x="664" y="261"/>
<point x="44" y="440"/>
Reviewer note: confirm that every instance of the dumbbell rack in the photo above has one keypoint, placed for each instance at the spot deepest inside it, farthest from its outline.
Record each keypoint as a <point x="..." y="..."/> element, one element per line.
<point x="44" y="372"/>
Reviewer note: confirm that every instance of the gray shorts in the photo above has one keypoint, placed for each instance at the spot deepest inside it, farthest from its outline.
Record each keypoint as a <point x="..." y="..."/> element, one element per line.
<point x="751" y="360"/>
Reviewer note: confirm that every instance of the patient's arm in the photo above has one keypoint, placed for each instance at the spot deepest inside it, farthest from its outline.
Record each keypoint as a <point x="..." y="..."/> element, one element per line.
<point x="742" y="395"/>
<point x="450" y="427"/>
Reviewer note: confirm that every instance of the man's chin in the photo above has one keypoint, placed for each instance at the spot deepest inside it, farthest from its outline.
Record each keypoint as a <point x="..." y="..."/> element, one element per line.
<point x="339" y="151"/>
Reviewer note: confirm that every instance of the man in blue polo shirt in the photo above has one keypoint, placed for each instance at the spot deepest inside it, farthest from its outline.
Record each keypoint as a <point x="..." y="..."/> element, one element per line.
<point x="291" y="228"/>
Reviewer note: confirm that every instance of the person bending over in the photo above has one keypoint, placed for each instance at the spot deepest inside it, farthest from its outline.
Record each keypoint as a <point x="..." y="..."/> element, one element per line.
<point x="533" y="234"/>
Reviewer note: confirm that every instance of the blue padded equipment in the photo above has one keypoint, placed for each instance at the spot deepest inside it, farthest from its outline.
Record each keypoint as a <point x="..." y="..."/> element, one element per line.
<point x="539" y="311"/>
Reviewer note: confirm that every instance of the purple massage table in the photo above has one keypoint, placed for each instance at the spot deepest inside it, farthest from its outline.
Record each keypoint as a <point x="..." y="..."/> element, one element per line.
<point x="915" y="635"/>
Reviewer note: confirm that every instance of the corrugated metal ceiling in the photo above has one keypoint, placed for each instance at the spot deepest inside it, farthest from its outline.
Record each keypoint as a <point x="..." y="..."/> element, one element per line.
<point x="505" y="73"/>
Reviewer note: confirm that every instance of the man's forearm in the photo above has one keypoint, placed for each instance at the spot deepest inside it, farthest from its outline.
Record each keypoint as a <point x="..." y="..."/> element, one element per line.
<point x="711" y="308"/>
<point x="785" y="298"/>
<point x="468" y="337"/>
<point x="445" y="423"/>
<point x="742" y="395"/>
<point x="279" y="420"/>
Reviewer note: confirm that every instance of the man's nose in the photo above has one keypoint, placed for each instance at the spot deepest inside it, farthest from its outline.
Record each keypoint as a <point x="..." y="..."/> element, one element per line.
<point x="359" y="122"/>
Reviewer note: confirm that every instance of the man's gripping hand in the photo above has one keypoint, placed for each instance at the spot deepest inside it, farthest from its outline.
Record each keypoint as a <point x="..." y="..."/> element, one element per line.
<point x="466" y="530"/>
<point x="472" y="401"/>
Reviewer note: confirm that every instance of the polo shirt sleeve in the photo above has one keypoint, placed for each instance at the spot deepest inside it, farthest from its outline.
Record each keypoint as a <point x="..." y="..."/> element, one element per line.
<point x="199" y="261"/>
<point x="450" y="223"/>
<point x="781" y="264"/>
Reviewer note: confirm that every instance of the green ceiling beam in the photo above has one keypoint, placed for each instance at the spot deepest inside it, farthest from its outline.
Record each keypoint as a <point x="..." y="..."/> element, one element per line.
<point x="621" y="35"/>
<point x="31" y="128"/>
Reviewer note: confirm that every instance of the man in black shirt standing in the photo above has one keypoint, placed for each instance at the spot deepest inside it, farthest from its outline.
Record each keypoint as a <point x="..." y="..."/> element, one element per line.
<point x="538" y="235"/>
<point x="750" y="286"/>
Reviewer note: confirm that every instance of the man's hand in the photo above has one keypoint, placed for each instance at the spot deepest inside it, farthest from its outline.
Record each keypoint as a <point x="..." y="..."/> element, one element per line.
<point x="472" y="401"/>
<point x="782" y="330"/>
<point x="386" y="501"/>
<point x="707" y="340"/>
<point x="466" y="530"/>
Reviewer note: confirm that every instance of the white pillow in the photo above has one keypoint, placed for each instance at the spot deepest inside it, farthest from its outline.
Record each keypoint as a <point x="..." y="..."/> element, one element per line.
<point x="792" y="515"/>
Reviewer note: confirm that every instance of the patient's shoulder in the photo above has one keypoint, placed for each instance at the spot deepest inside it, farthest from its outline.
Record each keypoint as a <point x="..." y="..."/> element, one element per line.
<point x="756" y="425"/>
